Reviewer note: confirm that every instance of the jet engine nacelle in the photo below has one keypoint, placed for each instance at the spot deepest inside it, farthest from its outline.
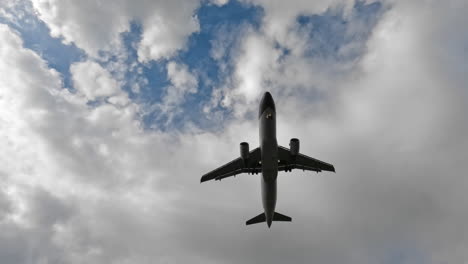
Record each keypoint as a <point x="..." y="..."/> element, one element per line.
<point x="244" y="150"/>
<point x="294" y="146"/>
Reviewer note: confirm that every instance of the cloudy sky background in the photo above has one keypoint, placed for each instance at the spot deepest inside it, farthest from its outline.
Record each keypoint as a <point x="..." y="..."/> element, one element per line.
<point x="110" y="111"/>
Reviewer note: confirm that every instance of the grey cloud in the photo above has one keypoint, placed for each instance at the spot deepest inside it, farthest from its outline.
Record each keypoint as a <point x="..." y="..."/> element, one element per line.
<point x="6" y="205"/>
<point x="32" y="239"/>
<point x="46" y="209"/>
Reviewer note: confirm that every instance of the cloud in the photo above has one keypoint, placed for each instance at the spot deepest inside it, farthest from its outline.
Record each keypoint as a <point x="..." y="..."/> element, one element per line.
<point x="93" y="81"/>
<point x="96" y="26"/>
<point x="167" y="32"/>
<point x="183" y="82"/>
<point x="54" y="143"/>
<point x="9" y="10"/>
<point x="280" y="15"/>
<point x="219" y="2"/>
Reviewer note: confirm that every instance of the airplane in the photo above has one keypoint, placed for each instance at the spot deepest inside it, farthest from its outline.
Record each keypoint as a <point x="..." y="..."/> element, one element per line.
<point x="268" y="159"/>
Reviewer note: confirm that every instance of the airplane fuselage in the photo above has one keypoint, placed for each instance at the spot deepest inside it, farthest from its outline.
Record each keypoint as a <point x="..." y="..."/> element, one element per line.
<point x="269" y="154"/>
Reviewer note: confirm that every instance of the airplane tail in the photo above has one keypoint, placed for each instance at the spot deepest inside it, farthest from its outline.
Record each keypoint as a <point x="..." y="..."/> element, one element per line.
<point x="261" y="218"/>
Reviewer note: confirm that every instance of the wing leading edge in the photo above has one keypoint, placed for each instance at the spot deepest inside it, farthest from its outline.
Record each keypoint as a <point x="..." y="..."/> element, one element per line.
<point x="237" y="166"/>
<point x="300" y="161"/>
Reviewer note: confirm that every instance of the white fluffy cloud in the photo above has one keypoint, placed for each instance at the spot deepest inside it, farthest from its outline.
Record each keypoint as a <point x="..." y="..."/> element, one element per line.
<point x="166" y="30"/>
<point x="93" y="81"/>
<point x="96" y="25"/>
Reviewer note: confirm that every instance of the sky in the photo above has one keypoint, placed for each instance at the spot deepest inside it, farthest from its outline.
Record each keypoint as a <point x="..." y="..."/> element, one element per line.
<point x="110" y="112"/>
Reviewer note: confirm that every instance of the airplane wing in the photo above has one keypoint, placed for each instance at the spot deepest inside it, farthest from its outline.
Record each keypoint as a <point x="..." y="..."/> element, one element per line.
<point x="300" y="161"/>
<point x="237" y="166"/>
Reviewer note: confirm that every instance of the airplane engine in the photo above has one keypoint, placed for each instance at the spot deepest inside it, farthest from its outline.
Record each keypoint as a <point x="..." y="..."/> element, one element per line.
<point x="294" y="146"/>
<point x="244" y="150"/>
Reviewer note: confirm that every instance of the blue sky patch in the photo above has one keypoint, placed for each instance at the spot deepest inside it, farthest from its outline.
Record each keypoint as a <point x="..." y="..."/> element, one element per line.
<point x="36" y="36"/>
<point x="214" y="22"/>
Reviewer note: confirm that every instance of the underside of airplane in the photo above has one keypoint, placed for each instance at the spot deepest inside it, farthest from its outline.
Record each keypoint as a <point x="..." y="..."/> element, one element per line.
<point x="268" y="159"/>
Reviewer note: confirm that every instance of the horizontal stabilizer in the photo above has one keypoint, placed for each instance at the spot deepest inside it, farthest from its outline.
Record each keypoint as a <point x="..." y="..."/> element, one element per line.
<point x="281" y="217"/>
<point x="277" y="217"/>
<point x="258" y="219"/>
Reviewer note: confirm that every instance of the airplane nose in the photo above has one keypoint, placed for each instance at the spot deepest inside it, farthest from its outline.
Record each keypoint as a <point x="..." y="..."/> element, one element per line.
<point x="267" y="102"/>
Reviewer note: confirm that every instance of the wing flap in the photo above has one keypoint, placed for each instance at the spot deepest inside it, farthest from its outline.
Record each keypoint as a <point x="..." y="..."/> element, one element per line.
<point x="297" y="166"/>
<point x="301" y="161"/>
<point x="235" y="167"/>
<point x="234" y="173"/>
